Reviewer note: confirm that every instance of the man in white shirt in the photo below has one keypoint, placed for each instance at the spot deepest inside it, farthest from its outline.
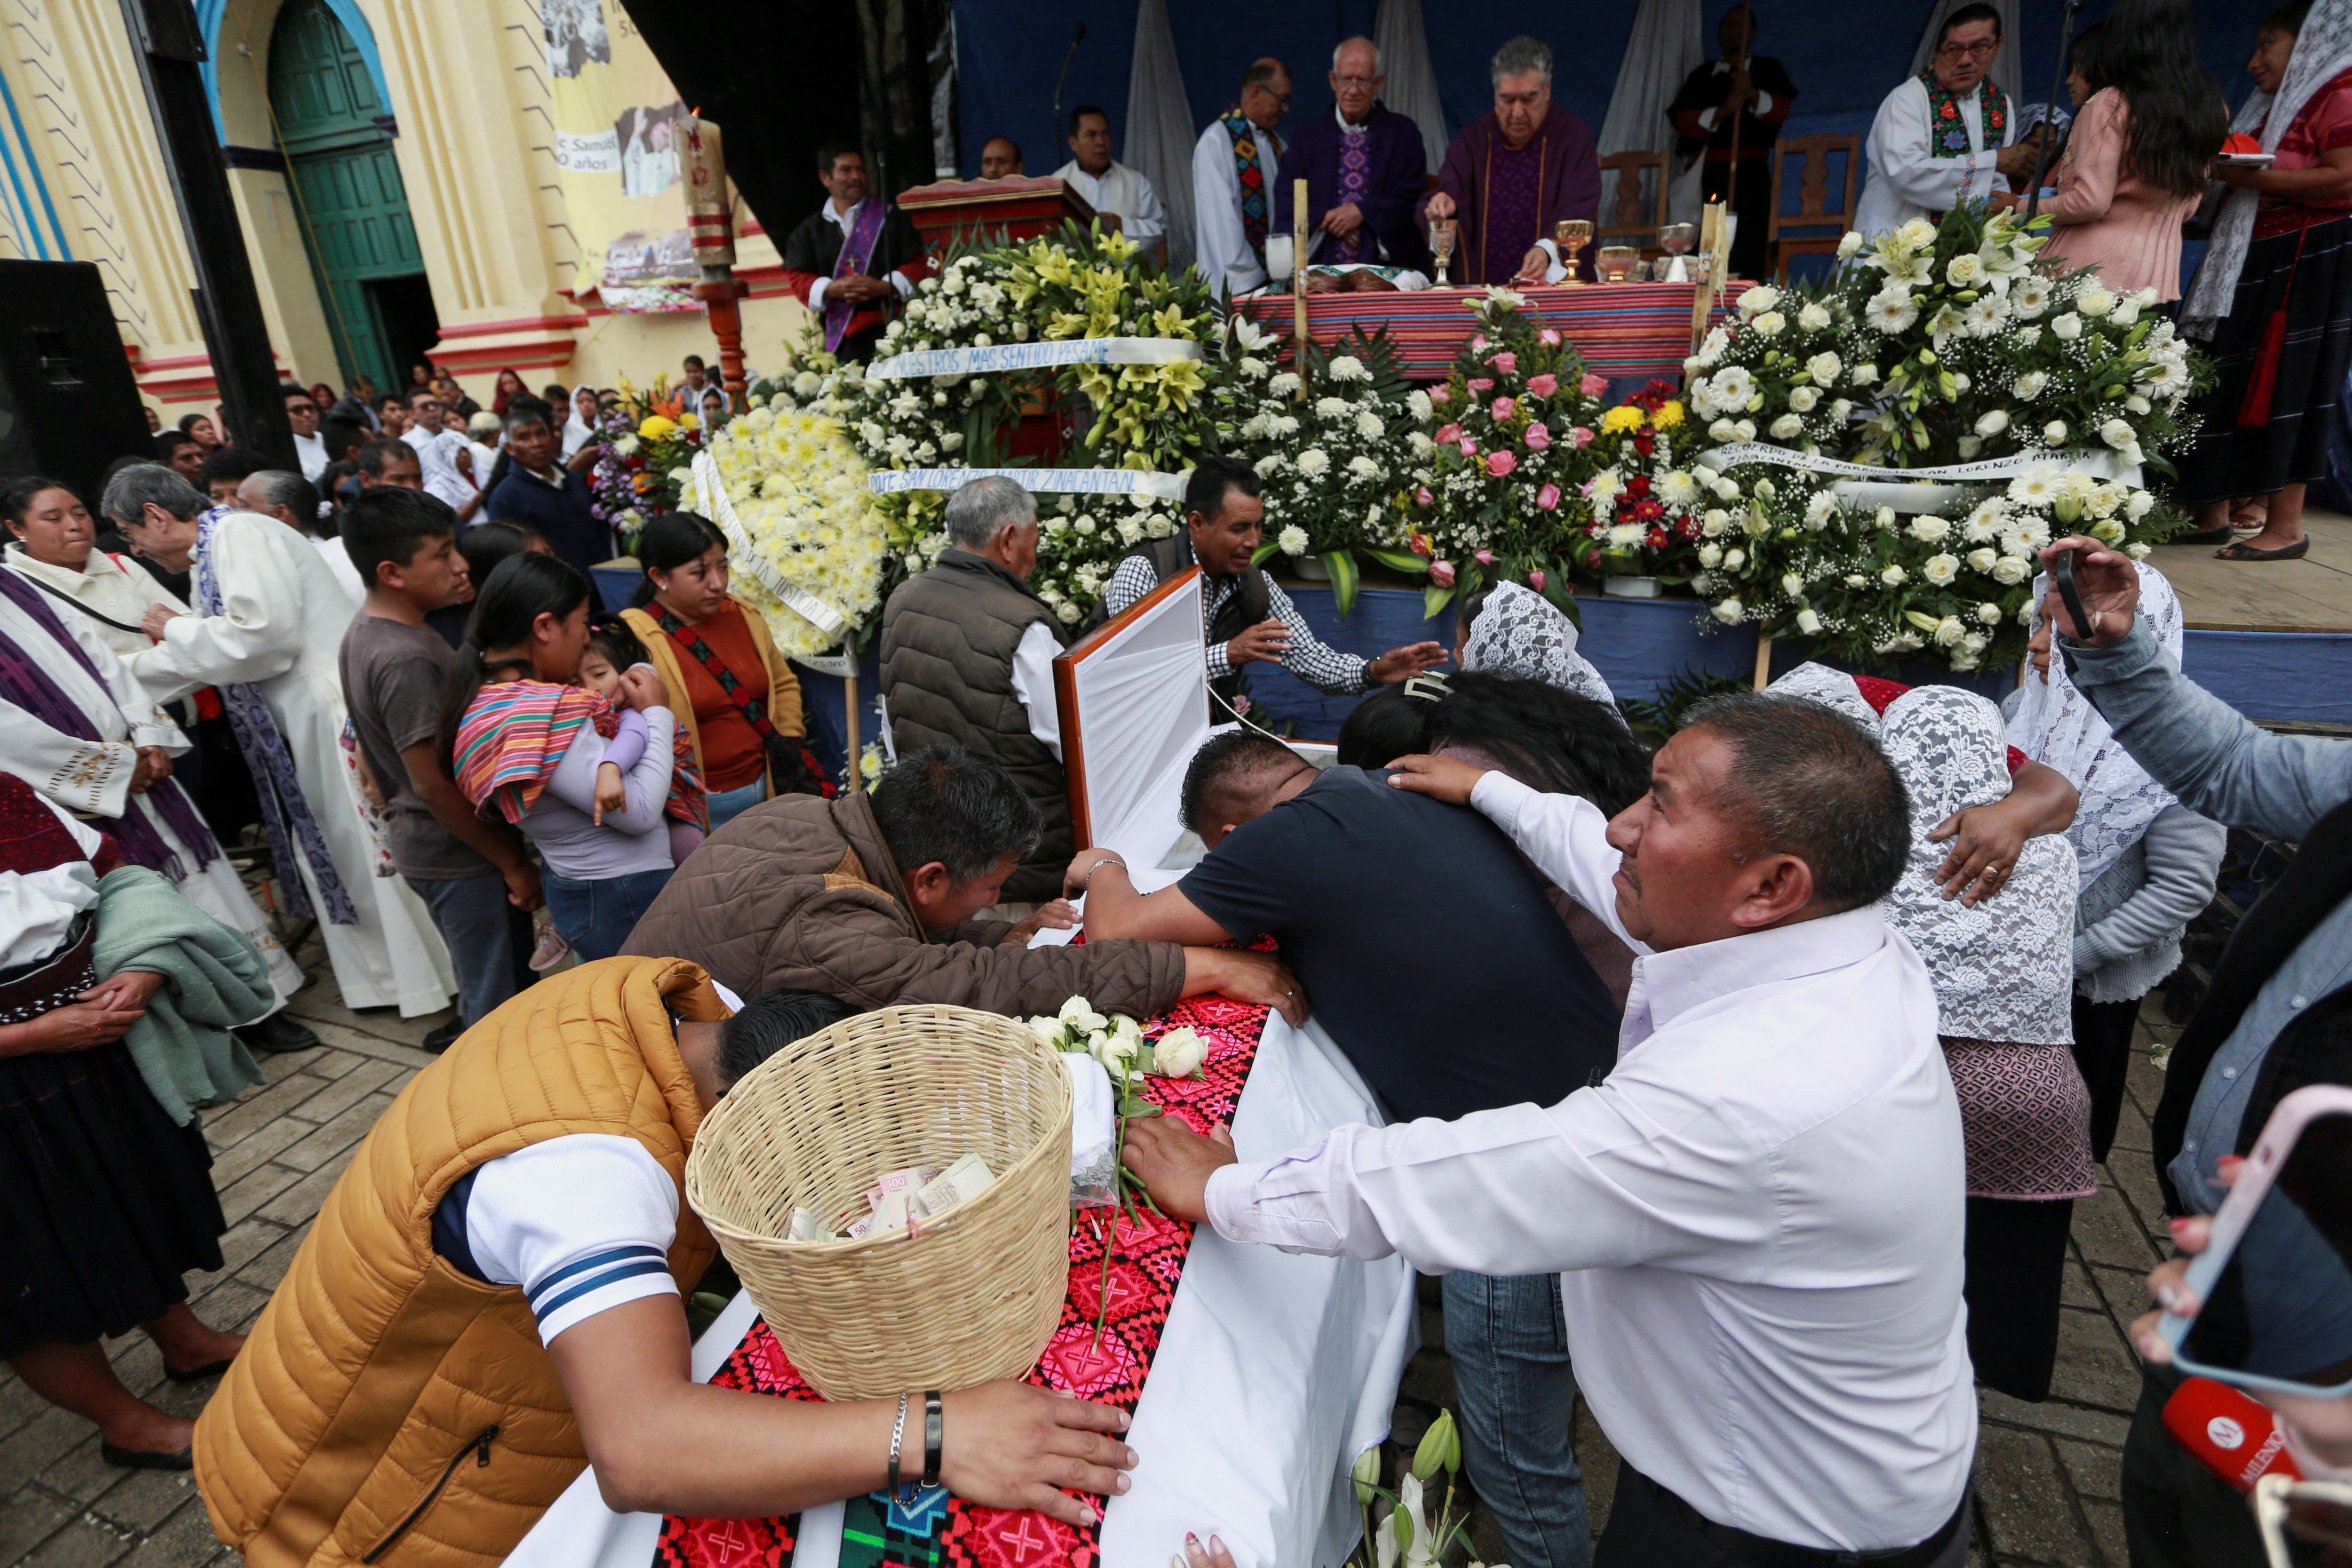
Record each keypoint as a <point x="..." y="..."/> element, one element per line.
<point x="302" y="414"/>
<point x="1758" y="1214"/>
<point x="437" y="447"/>
<point x="967" y="661"/>
<point x="1946" y="136"/>
<point x="1233" y="176"/>
<point x="1122" y="195"/>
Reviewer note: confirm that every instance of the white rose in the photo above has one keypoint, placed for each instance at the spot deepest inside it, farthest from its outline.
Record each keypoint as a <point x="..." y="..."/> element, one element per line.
<point x="1080" y="1016"/>
<point x="1940" y="570"/>
<point x="1824" y="367"/>
<point x="1930" y="529"/>
<point x="1849" y="243"/>
<point x="1770" y="324"/>
<point x="1745" y="430"/>
<point x="1814" y="317"/>
<point x="2094" y="302"/>
<point x="1803" y="399"/>
<point x="1989" y="613"/>
<point x="1792" y="584"/>
<point x="2029" y="385"/>
<point x="1949" y="630"/>
<point x="1178" y="1054"/>
<point x="2012" y="570"/>
<point x="1787" y="428"/>
<point x="1710" y="556"/>
<point x="1857" y="580"/>
<point x="1964" y="271"/>
<point x="2139" y="506"/>
<point x="1982" y="558"/>
<point x="2137" y="551"/>
<point x="1729" y="611"/>
<point x="1884" y="518"/>
<point x="2118" y="433"/>
<point x="2135" y="404"/>
<point x="1712" y="524"/>
<point x="1722" y="431"/>
<point x="1893" y="576"/>
<point x="1863" y="375"/>
<point x="1840" y="409"/>
<point x="1726" y="489"/>
<point x="1761" y="298"/>
<point x="2054" y="433"/>
<point x="1733" y="560"/>
<point x="1992" y="424"/>
<point x="2067" y="327"/>
<point x="1809" y="622"/>
<point x="2125" y="314"/>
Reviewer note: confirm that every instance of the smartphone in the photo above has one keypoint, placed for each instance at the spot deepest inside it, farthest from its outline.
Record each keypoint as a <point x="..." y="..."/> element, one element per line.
<point x="2062" y="572"/>
<point x="2274" y="1284"/>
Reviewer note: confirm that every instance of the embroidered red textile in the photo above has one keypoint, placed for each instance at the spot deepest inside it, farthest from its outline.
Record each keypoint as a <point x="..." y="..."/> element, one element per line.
<point x="1146" y="1261"/>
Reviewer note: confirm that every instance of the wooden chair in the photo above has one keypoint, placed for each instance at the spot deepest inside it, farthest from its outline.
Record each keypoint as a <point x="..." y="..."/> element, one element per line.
<point x="1624" y="221"/>
<point x="1826" y="225"/>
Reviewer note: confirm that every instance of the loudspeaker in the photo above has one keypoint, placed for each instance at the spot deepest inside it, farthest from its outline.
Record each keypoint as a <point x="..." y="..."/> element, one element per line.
<point x="69" y="405"/>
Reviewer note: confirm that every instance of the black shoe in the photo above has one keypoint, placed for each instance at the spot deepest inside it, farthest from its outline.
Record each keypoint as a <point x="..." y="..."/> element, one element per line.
<point x="198" y="1373"/>
<point x="141" y="1459"/>
<point x="442" y="1038"/>
<point x="278" y="1032"/>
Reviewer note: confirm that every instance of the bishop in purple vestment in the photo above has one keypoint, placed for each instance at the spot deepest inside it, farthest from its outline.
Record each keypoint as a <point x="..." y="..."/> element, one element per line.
<point x="1515" y="171"/>
<point x="1364" y="169"/>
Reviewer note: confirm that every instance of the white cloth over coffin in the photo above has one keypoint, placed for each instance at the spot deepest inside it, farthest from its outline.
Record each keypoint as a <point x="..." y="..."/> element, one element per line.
<point x="281" y="628"/>
<point x="1274" y="1372"/>
<point x="1160" y="131"/>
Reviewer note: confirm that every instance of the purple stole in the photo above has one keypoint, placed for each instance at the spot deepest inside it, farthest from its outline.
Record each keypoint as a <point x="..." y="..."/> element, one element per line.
<point x="30" y="688"/>
<point x="1355" y="182"/>
<point x="856" y="252"/>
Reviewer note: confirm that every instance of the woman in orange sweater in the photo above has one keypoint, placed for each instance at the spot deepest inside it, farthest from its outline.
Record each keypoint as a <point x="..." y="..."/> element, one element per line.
<point x="2151" y="122"/>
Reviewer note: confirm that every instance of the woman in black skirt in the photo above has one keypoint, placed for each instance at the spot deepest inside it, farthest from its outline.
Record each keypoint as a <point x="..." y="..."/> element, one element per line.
<point x="104" y="1203"/>
<point x="2273" y="296"/>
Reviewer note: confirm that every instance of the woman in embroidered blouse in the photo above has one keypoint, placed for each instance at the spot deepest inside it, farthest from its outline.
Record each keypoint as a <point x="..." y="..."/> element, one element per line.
<point x="2149" y="125"/>
<point x="2272" y="297"/>
<point x="719" y="667"/>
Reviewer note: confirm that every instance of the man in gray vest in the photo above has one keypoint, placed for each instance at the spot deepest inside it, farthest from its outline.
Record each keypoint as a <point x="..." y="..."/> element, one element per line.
<point x="968" y="660"/>
<point x="1250" y="618"/>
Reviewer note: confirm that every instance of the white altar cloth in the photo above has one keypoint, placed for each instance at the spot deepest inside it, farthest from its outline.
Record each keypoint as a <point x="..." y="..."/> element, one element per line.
<point x="1274" y="1372"/>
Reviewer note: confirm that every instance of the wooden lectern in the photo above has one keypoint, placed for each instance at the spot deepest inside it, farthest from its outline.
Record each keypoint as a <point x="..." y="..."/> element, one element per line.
<point x="978" y="211"/>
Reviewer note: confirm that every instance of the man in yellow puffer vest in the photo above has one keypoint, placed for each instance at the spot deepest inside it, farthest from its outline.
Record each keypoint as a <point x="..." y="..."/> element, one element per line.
<point x="491" y="1298"/>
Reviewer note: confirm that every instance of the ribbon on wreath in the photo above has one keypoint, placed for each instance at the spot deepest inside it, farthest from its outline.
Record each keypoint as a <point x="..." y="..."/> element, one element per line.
<point x="1033" y="356"/>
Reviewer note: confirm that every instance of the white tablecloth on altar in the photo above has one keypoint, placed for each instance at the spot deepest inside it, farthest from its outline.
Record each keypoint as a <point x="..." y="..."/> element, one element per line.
<point x="1273" y="1373"/>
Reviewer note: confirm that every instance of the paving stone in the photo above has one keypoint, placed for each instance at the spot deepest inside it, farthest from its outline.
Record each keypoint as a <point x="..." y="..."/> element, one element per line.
<point x="2095" y="1366"/>
<point x="2096" y="1469"/>
<point x="2107" y="1532"/>
<point x="2107" y="1232"/>
<point x="2123" y="1292"/>
<point x="232" y="1162"/>
<point x="2133" y="1137"/>
<point x="2054" y="1416"/>
<point x="246" y="1240"/>
<point x="28" y="1517"/>
<point x="252" y="1192"/>
<point x="2026" y="1507"/>
<point x="84" y="1543"/>
<point x="184" y="1541"/>
<point x="346" y="1091"/>
<point x="231" y="1306"/>
<point x="264" y="1272"/>
<point x="18" y="1404"/>
<point x="337" y="1136"/>
<point x="143" y="1500"/>
<point x="262" y="1107"/>
<point x="1598" y="1459"/>
<point x="2134" y="1176"/>
<point x="25" y="1452"/>
<point x="2074" y="1288"/>
<point x="78" y="1475"/>
<point x="373" y="1047"/>
<point x="301" y="1201"/>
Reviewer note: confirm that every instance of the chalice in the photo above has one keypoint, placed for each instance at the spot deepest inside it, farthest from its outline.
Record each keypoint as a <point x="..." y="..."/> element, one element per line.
<point x="1573" y="235"/>
<point x="1676" y="239"/>
<point x="1441" y="233"/>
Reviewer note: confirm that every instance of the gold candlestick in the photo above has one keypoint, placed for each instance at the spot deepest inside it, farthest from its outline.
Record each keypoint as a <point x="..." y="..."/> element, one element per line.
<point x="1299" y="279"/>
<point x="1573" y="233"/>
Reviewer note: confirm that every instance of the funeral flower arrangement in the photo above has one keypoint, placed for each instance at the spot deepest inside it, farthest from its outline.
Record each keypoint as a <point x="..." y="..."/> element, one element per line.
<point x="1647" y="504"/>
<point x="1337" y="465"/>
<point x="798" y="490"/>
<point x="1073" y="285"/>
<point x="1502" y="459"/>
<point x="645" y="448"/>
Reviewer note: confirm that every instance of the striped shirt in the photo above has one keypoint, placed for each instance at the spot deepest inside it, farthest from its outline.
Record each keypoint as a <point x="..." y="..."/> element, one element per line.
<point x="1310" y="659"/>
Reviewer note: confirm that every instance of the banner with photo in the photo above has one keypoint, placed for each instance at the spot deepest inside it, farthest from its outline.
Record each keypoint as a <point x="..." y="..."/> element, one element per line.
<point x="616" y="146"/>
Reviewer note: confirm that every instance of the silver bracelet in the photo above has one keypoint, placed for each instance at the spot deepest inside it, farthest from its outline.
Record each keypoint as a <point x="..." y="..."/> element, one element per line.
<point x="897" y="1438"/>
<point x="1106" y="860"/>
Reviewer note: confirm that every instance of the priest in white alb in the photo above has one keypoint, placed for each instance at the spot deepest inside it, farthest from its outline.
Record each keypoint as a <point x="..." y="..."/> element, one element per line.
<point x="267" y="629"/>
<point x="1946" y="135"/>
<point x="1233" y="165"/>
<point x="1110" y="186"/>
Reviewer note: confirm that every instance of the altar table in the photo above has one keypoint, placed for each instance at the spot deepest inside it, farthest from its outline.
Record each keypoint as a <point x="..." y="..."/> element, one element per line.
<point x="1621" y="329"/>
<point x="1274" y="1372"/>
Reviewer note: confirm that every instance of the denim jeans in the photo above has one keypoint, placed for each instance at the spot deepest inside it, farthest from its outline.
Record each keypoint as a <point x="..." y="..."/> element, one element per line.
<point x="596" y="917"/>
<point x="725" y="808"/>
<point x="489" y="940"/>
<point x="1515" y="1398"/>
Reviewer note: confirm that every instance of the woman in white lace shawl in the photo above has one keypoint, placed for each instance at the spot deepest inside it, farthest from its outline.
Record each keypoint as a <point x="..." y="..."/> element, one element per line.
<point x="1511" y="630"/>
<point x="2002" y="969"/>
<point x="2146" y="863"/>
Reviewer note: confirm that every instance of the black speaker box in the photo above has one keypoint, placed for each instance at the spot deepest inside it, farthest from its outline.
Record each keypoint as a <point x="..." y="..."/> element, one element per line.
<point x="69" y="405"/>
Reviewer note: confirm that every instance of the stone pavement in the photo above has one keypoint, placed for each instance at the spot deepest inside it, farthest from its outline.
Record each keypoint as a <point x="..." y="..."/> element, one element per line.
<point x="2047" y="1485"/>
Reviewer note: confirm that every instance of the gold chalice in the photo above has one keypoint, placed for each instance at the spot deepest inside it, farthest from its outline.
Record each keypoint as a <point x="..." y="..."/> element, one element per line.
<point x="1442" y="234"/>
<point x="1573" y="235"/>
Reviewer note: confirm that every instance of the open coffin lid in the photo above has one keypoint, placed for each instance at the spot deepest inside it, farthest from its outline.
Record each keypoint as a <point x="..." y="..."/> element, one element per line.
<point x="1135" y="705"/>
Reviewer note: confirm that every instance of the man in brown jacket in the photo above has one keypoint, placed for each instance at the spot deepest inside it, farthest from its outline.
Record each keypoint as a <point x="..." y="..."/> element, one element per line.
<point x="872" y="899"/>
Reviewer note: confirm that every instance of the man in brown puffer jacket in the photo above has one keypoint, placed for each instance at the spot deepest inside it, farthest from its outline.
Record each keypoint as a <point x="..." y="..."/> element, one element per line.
<point x="871" y="900"/>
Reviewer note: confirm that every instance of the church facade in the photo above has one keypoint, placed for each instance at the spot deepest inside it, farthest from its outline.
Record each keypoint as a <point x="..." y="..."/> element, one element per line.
<point x="417" y="180"/>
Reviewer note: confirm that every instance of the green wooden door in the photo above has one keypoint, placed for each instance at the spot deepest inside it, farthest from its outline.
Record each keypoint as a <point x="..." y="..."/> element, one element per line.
<point x="339" y="160"/>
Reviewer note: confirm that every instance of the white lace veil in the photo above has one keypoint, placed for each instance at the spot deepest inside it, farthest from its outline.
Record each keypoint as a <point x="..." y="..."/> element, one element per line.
<point x="2056" y="725"/>
<point x="1831" y="689"/>
<point x="2004" y="970"/>
<point x="2322" y="51"/>
<point x="1519" y="632"/>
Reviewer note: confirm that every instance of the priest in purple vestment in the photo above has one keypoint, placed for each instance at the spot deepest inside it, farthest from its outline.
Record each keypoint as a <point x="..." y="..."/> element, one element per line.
<point x="1514" y="173"/>
<point x="1364" y="169"/>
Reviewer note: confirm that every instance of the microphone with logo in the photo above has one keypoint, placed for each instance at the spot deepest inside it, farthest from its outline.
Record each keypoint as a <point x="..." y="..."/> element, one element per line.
<point x="2236" y="1439"/>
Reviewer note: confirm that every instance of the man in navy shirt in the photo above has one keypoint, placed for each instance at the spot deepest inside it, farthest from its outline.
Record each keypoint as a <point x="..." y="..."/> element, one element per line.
<point x="545" y="493"/>
<point x="1429" y="951"/>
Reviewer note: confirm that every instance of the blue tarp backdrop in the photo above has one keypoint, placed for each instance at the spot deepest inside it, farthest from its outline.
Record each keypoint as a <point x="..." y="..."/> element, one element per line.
<point x="1844" y="56"/>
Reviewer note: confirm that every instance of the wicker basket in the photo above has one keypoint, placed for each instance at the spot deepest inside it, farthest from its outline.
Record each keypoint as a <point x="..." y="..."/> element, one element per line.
<point x="971" y="1296"/>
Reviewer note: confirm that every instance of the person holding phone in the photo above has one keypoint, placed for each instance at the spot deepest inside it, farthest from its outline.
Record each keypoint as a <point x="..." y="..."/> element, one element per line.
<point x="2270" y="1011"/>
